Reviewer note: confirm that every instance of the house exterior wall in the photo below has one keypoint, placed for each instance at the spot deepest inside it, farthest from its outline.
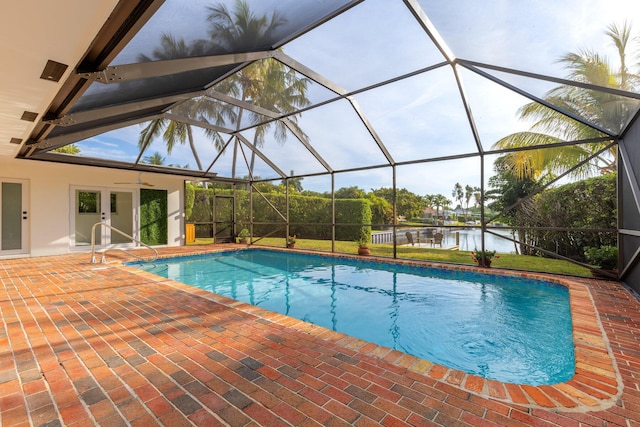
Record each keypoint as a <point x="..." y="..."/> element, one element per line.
<point x="50" y="209"/>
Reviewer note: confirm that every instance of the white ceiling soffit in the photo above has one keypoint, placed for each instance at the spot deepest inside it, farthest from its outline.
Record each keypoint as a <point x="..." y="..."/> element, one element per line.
<point x="32" y="33"/>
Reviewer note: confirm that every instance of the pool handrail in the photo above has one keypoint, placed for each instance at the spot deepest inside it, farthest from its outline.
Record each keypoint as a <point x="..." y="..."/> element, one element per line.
<point x="103" y="259"/>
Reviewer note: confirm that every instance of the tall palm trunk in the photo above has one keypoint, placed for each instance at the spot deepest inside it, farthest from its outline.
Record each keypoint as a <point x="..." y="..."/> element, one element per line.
<point x="193" y="147"/>
<point x="235" y="147"/>
<point x="253" y="155"/>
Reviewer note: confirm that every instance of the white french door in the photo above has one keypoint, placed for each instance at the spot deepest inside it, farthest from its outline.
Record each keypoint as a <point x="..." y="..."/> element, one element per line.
<point x="14" y="216"/>
<point x="114" y="207"/>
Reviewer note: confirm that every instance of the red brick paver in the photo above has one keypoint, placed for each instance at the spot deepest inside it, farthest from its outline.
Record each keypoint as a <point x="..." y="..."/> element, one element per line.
<point x="105" y="344"/>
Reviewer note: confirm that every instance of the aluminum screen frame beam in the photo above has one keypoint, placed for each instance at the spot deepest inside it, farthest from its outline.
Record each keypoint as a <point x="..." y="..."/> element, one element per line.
<point x="144" y="70"/>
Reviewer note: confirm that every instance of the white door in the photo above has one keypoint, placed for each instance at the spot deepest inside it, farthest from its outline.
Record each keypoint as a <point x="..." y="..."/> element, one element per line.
<point x="14" y="216"/>
<point x="115" y="207"/>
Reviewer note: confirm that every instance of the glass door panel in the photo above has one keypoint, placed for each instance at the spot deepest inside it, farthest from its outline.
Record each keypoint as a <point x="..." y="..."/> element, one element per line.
<point x="121" y="215"/>
<point x="111" y="207"/>
<point x="13" y="217"/>
<point x="87" y="213"/>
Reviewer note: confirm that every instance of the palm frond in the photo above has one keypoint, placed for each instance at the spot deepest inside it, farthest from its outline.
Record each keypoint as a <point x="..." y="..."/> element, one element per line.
<point x="606" y="110"/>
<point x="151" y="131"/>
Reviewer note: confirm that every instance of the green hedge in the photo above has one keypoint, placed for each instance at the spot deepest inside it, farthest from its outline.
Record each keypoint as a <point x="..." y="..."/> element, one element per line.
<point x="314" y="211"/>
<point x="189" y="199"/>
<point x="153" y="217"/>
<point x="198" y="204"/>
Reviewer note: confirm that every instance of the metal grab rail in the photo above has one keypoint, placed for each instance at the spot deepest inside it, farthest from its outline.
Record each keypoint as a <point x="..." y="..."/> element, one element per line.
<point x="103" y="258"/>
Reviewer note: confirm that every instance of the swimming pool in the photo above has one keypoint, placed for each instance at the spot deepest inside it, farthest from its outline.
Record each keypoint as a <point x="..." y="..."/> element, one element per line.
<point x="505" y="328"/>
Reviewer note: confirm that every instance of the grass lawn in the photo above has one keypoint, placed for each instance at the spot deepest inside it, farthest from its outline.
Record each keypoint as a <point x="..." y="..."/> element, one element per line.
<point x="511" y="261"/>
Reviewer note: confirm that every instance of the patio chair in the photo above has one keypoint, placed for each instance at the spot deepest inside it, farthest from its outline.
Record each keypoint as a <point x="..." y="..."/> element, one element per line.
<point x="437" y="239"/>
<point x="409" y="237"/>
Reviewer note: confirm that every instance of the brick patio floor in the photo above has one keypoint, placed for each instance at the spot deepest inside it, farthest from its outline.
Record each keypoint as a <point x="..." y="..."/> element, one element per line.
<point x="106" y="344"/>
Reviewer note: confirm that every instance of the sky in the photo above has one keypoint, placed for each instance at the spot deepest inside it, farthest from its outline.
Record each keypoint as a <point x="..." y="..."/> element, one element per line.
<point x="421" y="117"/>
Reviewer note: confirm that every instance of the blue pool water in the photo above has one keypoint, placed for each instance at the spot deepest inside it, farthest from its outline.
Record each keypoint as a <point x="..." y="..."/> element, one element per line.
<point x="504" y="328"/>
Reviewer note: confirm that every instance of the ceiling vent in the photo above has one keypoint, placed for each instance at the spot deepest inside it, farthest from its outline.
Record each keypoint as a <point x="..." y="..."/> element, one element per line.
<point x="16" y="141"/>
<point x="53" y="71"/>
<point x="29" y="116"/>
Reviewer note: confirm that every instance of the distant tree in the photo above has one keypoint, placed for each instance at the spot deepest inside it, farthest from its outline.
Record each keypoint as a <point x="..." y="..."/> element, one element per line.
<point x="295" y="184"/>
<point x="429" y="201"/>
<point x="441" y="201"/>
<point x="477" y="197"/>
<point x="265" y="186"/>
<point x="158" y="159"/>
<point x="408" y="204"/>
<point x="350" y="193"/>
<point x="154" y="159"/>
<point x="506" y="189"/>
<point x="381" y="210"/>
<point x="312" y="193"/>
<point x="457" y="193"/>
<point x="468" y="193"/>
<point x="185" y="166"/>
<point x="68" y="149"/>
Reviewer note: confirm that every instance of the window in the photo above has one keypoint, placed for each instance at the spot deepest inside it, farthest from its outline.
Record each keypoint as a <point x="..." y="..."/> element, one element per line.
<point x="88" y="202"/>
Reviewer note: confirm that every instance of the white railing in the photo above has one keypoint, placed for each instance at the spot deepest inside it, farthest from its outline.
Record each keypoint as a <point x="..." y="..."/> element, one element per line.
<point x="382" y="237"/>
<point x="103" y="253"/>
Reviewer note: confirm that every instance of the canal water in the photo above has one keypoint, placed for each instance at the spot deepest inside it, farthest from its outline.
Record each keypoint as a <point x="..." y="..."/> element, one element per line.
<point x="465" y="239"/>
<point x="471" y="238"/>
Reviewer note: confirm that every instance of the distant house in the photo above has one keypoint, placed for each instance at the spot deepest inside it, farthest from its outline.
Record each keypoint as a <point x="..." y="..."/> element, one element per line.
<point x="458" y="210"/>
<point x="429" y="213"/>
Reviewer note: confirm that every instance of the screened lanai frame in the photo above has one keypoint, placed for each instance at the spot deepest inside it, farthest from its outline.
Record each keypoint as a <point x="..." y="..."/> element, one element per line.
<point x="86" y="111"/>
<point x="485" y="222"/>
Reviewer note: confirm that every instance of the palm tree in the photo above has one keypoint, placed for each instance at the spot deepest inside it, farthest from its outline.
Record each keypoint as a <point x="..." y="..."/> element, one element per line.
<point x="429" y="200"/>
<point x="477" y="196"/>
<point x="440" y="201"/>
<point x="295" y="184"/>
<point x="607" y="110"/>
<point x="154" y="159"/>
<point x="457" y="193"/>
<point x="468" y="193"/>
<point x="172" y="131"/>
<point x="267" y="83"/>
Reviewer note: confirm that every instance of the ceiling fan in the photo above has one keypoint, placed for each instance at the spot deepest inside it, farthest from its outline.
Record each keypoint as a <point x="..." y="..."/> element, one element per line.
<point x="139" y="181"/>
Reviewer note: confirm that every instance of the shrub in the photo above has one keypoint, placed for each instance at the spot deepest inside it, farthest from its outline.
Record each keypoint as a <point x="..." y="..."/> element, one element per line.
<point x="605" y="257"/>
<point x="590" y="203"/>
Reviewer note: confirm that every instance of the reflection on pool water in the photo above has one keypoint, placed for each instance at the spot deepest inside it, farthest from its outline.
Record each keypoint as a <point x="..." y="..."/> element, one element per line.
<point x="499" y="327"/>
